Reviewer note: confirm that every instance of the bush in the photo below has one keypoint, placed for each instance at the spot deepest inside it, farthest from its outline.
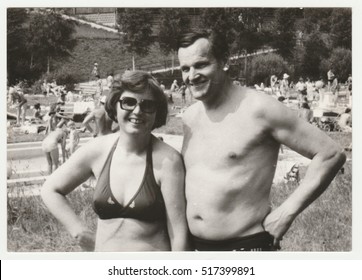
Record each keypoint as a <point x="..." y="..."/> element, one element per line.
<point x="315" y="51"/>
<point x="68" y="80"/>
<point x="36" y="87"/>
<point x="263" y="66"/>
<point x="340" y="61"/>
<point x="63" y="77"/>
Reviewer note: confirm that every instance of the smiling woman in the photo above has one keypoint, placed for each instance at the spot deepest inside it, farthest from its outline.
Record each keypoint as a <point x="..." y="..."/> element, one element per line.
<point x="137" y="113"/>
<point x="139" y="195"/>
<point x="138" y="82"/>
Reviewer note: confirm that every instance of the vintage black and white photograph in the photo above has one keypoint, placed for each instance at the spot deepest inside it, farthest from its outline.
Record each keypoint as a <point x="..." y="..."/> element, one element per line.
<point x="179" y="129"/>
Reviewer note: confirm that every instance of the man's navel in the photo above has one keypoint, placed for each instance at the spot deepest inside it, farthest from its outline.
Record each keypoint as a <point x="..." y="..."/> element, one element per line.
<point x="232" y="155"/>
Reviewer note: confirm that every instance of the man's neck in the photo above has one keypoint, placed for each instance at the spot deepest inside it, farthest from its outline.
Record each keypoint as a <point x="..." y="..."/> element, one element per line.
<point x="219" y="97"/>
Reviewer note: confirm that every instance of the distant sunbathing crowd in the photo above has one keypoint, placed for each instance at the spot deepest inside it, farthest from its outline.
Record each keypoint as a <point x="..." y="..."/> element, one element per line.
<point x="60" y="128"/>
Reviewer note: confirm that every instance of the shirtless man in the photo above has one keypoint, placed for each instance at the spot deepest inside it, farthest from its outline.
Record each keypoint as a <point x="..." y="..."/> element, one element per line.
<point x="231" y="144"/>
<point x="101" y="119"/>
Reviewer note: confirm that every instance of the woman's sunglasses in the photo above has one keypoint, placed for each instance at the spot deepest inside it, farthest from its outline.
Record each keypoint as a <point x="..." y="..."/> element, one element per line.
<point x="130" y="103"/>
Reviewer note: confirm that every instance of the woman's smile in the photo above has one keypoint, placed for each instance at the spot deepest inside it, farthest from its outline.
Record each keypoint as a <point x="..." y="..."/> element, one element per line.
<point x="136" y="120"/>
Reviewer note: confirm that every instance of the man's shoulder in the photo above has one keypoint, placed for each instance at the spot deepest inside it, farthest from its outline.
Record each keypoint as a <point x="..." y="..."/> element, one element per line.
<point x="256" y="98"/>
<point x="260" y="104"/>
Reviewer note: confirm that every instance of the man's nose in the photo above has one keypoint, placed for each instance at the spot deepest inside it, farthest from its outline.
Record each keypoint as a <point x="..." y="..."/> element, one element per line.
<point x="193" y="75"/>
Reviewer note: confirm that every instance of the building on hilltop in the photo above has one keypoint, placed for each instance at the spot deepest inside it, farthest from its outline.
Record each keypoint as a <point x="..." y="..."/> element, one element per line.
<point x="104" y="16"/>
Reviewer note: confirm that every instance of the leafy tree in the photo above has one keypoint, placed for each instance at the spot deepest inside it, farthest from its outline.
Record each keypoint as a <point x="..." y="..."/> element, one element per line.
<point x="242" y="27"/>
<point x="220" y="20"/>
<point x="17" y="55"/>
<point x="298" y="60"/>
<point x="50" y="36"/>
<point x="335" y="25"/>
<point x="316" y="19"/>
<point x="136" y="27"/>
<point x="250" y="33"/>
<point x="340" y="61"/>
<point x="263" y="66"/>
<point x="315" y="51"/>
<point x="341" y="28"/>
<point x="284" y="31"/>
<point x="173" y="22"/>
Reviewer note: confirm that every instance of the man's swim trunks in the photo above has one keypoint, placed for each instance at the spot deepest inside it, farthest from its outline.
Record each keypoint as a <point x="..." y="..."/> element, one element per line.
<point x="261" y="241"/>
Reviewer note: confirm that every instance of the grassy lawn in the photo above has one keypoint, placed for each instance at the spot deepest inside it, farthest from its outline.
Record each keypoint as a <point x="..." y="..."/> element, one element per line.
<point x="325" y="226"/>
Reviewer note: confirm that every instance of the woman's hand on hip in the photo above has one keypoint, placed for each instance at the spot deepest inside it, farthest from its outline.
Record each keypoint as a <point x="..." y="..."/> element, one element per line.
<point x="86" y="240"/>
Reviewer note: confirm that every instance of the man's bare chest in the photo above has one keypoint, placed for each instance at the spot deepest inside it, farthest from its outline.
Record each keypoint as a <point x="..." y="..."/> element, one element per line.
<point x="224" y="142"/>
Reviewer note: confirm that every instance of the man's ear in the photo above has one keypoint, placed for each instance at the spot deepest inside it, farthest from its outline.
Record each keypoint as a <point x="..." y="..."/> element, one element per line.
<point x="226" y="64"/>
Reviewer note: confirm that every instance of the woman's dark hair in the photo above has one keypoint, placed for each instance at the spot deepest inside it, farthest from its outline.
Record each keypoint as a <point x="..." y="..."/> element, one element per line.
<point x="219" y="45"/>
<point x="137" y="82"/>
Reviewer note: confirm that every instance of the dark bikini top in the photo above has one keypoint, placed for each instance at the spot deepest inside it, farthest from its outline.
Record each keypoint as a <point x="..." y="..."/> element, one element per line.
<point x="147" y="204"/>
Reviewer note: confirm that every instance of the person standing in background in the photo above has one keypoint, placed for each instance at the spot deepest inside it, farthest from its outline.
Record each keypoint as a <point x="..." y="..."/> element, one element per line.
<point x="103" y="123"/>
<point x="284" y="87"/>
<point x="95" y="72"/>
<point x="273" y="81"/>
<point x="51" y="149"/>
<point x="109" y="82"/>
<point x="302" y="91"/>
<point x="18" y="99"/>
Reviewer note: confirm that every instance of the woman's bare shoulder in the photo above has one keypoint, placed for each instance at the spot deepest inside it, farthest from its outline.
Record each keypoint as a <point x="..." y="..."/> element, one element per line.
<point x="164" y="153"/>
<point x="95" y="147"/>
<point x="167" y="163"/>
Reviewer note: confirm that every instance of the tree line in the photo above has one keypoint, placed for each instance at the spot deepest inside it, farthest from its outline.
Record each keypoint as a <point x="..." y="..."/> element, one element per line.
<point x="307" y="41"/>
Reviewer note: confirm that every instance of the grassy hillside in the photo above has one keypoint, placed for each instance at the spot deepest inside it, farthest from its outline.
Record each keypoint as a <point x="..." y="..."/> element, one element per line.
<point x="96" y="45"/>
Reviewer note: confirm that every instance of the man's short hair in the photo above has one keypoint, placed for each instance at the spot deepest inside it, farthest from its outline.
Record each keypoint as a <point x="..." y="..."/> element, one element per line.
<point x="219" y="44"/>
<point x="137" y="82"/>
